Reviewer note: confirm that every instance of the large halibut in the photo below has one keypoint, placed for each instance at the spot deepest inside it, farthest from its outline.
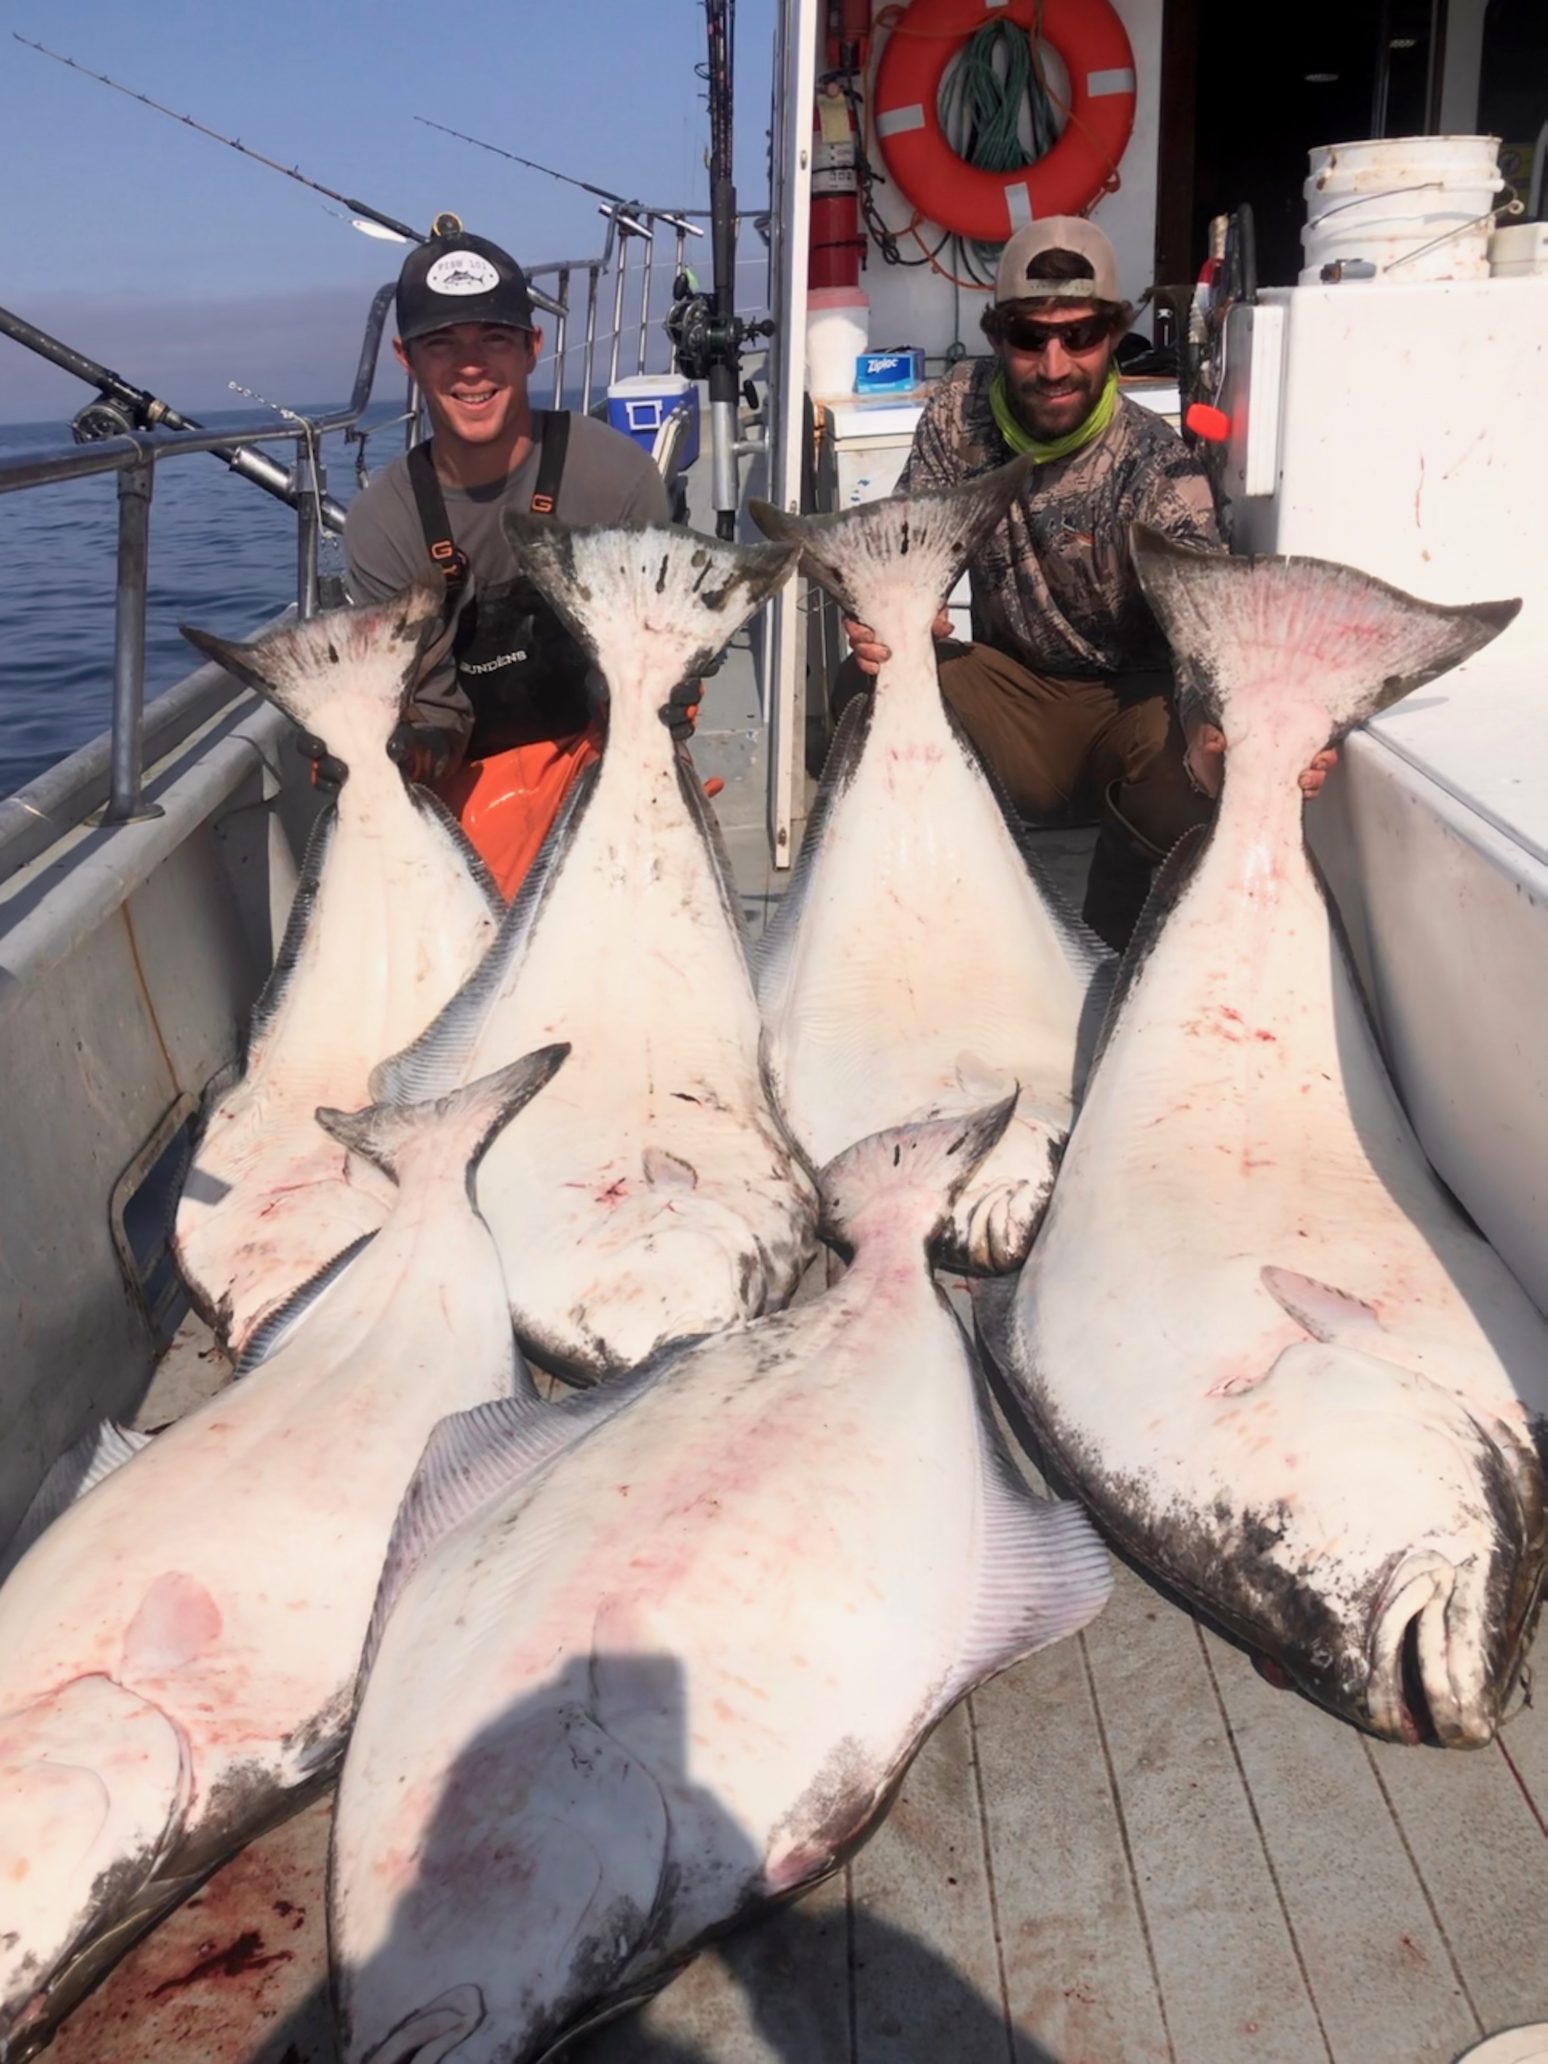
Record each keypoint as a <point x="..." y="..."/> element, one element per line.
<point x="654" y="1192"/>
<point x="1255" y="1331"/>
<point x="920" y="964"/>
<point x="391" y="915"/>
<point x="653" y="1659"/>
<point x="178" y="1649"/>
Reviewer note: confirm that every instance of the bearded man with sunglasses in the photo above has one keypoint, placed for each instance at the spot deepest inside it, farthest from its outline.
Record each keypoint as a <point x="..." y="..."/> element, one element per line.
<point x="1066" y="689"/>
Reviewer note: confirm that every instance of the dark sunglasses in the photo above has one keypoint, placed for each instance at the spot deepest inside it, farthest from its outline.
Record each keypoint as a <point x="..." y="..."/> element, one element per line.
<point x="1026" y="333"/>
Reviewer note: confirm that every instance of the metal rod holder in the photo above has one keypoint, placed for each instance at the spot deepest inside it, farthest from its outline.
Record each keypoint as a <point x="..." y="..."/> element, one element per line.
<point x="618" y="303"/>
<point x="124" y="804"/>
<point x="561" y="334"/>
<point x="588" y="360"/>
<point x="308" y="490"/>
<point x="645" y="272"/>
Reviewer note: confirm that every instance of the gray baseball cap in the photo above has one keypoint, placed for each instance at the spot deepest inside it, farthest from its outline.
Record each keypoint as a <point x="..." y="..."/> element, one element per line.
<point x="1058" y="233"/>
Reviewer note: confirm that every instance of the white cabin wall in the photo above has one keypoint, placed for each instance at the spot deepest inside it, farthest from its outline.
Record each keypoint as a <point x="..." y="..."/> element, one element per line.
<point x="914" y="305"/>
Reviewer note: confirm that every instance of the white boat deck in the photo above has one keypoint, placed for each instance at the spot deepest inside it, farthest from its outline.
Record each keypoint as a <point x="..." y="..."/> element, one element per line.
<point x="1129" y="1850"/>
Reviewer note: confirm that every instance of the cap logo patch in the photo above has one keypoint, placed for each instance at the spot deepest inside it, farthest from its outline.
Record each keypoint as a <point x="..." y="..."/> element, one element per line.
<point x="461" y="272"/>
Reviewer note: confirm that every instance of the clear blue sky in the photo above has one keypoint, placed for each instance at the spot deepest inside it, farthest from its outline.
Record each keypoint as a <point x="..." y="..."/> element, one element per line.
<point x="184" y="265"/>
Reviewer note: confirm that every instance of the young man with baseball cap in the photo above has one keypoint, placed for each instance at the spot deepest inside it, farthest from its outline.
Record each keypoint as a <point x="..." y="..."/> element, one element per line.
<point x="513" y="680"/>
<point x="1066" y="688"/>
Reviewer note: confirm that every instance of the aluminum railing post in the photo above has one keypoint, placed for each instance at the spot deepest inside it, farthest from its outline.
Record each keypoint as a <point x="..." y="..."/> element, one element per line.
<point x="135" y="486"/>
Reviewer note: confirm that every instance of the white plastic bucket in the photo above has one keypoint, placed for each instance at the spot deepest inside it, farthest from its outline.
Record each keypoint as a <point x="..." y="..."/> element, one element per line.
<point x="1414" y="207"/>
<point x="1520" y="252"/>
<point x="838" y="328"/>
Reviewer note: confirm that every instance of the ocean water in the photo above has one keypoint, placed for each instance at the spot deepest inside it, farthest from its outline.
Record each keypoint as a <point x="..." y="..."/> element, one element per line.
<point x="222" y="557"/>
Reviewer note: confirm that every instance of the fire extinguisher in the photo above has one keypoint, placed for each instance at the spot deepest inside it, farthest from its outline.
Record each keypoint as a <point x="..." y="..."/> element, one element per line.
<point x="837" y="245"/>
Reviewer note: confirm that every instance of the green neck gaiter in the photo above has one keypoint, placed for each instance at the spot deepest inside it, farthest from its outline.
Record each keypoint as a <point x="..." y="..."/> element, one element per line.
<point x="1021" y="440"/>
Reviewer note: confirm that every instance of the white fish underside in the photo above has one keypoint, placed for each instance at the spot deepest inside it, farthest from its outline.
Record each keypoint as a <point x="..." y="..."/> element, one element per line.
<point x="184" y="1639"/>
<point x="926" y="974"/>
<point x="917" y="967"/>
<point x="650" y="1193"/>
<point x="736" y="1606"/>
<point x="633" y="1203"/>
<point x="396" y="925"/>
<point x="1252" y="1304"/>
<point x="1241" y="1119"/>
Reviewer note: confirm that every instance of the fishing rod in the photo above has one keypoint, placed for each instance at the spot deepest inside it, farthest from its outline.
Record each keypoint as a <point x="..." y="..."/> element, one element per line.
<point x="705" y="330"/>
<point x="372" y="220"/>
<point x="123" y="410"/>
<point x="614" y="200"/>
<point x="389" y="223"/>
<point x="708" y="331"/>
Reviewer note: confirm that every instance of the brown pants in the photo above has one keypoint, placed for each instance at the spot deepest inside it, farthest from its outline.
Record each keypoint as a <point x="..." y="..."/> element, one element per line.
<point x="1069" y="750"/>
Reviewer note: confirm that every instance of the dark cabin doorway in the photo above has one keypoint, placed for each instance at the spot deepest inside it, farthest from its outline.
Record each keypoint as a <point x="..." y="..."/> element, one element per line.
<point x="1267" y="88"/>
<point x="1513" y="91"/>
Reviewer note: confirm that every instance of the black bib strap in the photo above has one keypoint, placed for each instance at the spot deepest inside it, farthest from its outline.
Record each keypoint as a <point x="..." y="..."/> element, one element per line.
<point x="445" y="554"/>
<point x="556" y="439"/>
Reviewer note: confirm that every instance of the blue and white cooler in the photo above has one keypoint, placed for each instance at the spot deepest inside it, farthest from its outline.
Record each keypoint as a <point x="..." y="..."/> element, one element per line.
<point x="639" y="405"/>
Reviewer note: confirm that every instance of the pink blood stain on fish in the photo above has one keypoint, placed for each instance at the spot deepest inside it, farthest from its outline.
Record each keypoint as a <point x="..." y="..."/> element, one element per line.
<point x="177" y="1622"/>
<point x="1229" y="1024"/>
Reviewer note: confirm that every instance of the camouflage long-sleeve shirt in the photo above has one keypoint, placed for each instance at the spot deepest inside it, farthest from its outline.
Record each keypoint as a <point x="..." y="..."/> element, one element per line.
<point x="1054" y="586"/>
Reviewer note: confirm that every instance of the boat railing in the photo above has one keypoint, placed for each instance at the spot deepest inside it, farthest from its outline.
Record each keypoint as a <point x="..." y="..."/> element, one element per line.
<point x="625" y="266"/>
<point x="629" y="228"/>
<point x="134" y="458"/>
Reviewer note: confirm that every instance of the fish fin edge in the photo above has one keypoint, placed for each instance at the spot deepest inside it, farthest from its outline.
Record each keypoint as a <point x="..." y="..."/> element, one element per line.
<point x="100" y="1452"/>
<point x="484" y="1453"/>
<point x="1045" y="1571"/>
<point x="271" y="1331"/>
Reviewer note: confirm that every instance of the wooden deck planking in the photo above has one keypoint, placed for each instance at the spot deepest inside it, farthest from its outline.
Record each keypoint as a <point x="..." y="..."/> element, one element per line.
<point x="1377" y="1965"/>
<point x="1524" y="1745"/>
<point x="1227" y="1963"/>
<point x="236" y="1975"/>
<point x="1079" y="1976"/>
<point x="1479" y="1848"/>
<point x="760" y="885"/>
<point x="927" y="1979"/>
<point x="1079" y="1981"/>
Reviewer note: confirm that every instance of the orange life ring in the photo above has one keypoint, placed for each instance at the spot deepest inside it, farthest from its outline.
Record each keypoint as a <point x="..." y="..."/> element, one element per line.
<point x="991" y="206"/>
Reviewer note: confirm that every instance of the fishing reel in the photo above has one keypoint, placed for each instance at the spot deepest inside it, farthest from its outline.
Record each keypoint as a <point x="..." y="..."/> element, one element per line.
<point x="104" y="417"/>
<point x="699" y="339"/>
<point x="688" y="323"/>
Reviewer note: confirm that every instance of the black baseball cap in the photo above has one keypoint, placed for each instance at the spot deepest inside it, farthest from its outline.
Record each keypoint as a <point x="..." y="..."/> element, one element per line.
<point x="460" y="279"/>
